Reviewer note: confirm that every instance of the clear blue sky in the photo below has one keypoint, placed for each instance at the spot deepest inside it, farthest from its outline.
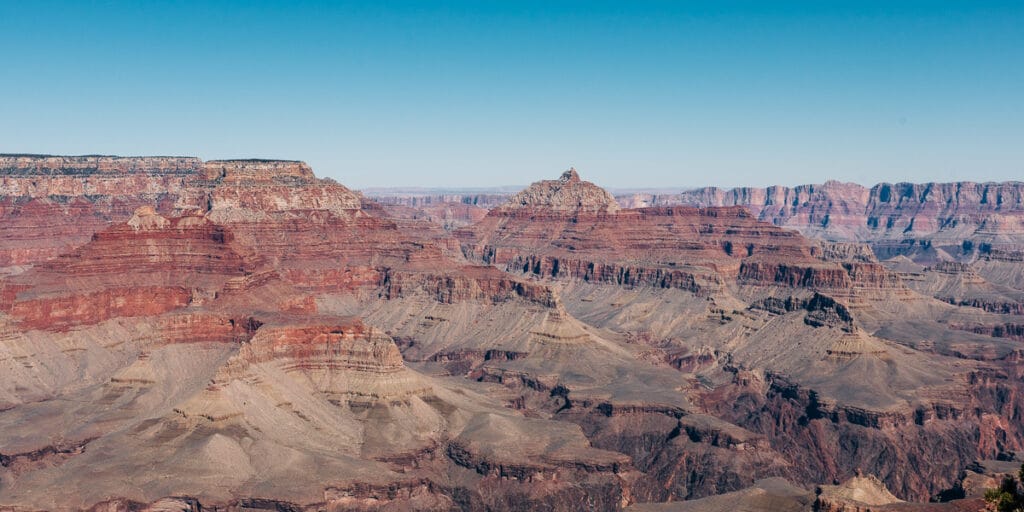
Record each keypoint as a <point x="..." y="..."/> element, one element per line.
<point x="632" y="93"/>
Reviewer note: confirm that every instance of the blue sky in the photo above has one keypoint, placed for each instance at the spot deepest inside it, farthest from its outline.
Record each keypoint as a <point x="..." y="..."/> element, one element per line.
<point x="631" y="93"/>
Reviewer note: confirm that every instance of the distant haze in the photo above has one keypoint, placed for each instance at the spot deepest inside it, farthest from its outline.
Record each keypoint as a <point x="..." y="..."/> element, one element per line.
<point x="634" y="94"/>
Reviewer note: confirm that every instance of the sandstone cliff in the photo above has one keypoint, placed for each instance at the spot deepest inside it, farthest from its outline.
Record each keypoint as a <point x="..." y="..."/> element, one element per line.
<point x="242" y="335"/>
<point x="567" y="193"/>
<point x="944" y="214"/>
<point x="50" y="205"/>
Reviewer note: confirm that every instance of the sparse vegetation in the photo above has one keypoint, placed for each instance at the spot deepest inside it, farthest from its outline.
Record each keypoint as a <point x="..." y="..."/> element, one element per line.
<point x="1008" y="497"/>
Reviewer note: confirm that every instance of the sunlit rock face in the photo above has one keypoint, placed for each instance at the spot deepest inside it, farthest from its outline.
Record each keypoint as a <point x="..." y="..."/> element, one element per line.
<point x="902" y="218"/>
<point x="566" y="194"/>
<point x="181" y="334"/>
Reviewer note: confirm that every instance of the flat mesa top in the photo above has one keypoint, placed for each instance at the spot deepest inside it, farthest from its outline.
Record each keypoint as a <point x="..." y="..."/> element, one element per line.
<point x="48" y="165"/>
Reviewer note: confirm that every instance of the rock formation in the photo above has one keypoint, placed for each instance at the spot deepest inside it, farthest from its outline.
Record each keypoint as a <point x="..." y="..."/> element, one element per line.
<point x="892" y="217"/>
<point x="449" y="210"/>
<point x="237" y="335"/>
<point x="698" y="249"/>
<point x="49" y="205"/>
<point x="567" y="193"/>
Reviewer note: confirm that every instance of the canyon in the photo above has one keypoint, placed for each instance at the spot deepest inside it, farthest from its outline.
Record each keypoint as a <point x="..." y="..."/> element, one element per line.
<point x="180" y="334"/>
<point x="961" y="221"/>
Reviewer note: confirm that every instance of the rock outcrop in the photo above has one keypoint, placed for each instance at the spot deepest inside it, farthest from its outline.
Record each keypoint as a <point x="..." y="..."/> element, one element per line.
<point x="858" y="494"/>
<point x="891" y="217"/>
<point x="50" y="205"/>
<point x="239" y="334"/>
<point x="697" y="249"/>
<point x="566" y="194"/>
<point x="448" y="210"/>
<point x="143" y="267"/>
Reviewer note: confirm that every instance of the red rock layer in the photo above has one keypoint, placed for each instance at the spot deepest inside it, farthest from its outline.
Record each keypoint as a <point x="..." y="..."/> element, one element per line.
<point x="144" y="267"/>
<point x="182" y="244"/>
<point x="340" y="357"/>
<point x="58" y="312"/>
<point x="345" y="344"/>
<point x="696" y="249"/>
<point x="50" y="205"/>
<point x="193" y="326"/>
<point x="273" y="219"/>
<point x="850" y="211"/>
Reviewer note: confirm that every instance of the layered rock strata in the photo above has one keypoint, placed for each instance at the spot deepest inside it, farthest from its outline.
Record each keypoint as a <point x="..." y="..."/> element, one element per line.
<point x="928" y="220"/>
<point x="560" y="353"/>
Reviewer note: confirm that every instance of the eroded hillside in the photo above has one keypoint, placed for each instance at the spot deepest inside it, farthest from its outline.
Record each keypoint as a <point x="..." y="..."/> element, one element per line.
<point x="178" y="334"/>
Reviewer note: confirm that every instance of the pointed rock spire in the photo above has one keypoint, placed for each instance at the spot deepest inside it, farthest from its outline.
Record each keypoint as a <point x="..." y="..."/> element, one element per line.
<point x="570" y="176"/>
<point x="568" y="193"/>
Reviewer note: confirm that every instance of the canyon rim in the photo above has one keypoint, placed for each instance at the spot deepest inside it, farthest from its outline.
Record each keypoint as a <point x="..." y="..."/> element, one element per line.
<point x="181" y="334"/>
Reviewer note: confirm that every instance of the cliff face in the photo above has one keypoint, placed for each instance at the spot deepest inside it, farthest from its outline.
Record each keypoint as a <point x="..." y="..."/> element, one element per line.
<point x="143" y="267"/>
<point x="50" y="205"/>
<point x="41" y="176"/>
<point x="242" y="335"/>
<point x="929" y="221"/>
<point x="977" y="224"/>
<point x="239" y="190"/>
<point x="946" y="213"/>
<point x="826" y="341"/>
<point x="696" y="249"/>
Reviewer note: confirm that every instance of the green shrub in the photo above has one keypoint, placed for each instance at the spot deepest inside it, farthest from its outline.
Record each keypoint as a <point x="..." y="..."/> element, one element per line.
<point x="1008" y="497"/>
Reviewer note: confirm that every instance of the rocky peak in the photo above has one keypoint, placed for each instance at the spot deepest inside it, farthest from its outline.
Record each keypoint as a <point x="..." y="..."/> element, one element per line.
<point x="567" y="194"/>
<point x="570" y="176"/>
